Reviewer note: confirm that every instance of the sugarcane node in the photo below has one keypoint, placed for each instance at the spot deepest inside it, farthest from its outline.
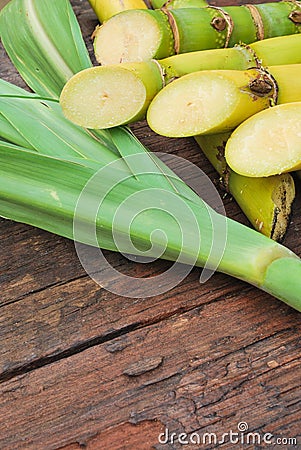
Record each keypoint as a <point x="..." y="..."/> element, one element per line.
<point x="295" y="17"/>
<point x="253" y="57"/>
<point x="265" y="84"/>
<point x="257" y="19"/>
<point x="228" y="21"/>
<point x="162" y="72"/>
<point x="225" y="173"/>
<point x="283" y="210"/>
<point x="174" y="29"/>
<point x="218" y="23"/>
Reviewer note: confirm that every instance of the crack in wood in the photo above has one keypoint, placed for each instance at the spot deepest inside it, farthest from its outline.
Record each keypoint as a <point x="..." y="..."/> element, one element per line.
<point x="25" y="368"/>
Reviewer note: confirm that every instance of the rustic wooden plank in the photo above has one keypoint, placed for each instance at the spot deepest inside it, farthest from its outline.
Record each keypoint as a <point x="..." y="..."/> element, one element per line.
<point x="75" y="314"/>
<point x="204" y="382"/>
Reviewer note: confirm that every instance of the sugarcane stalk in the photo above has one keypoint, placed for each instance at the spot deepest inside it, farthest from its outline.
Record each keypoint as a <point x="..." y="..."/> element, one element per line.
<point x="266" y="202"/>
<point x="280" y="50"/>
<point x="267" y="143"/>
<point x="105" y="9"/>
<point x="138" y="35"/>
<point x="264" y="16"/>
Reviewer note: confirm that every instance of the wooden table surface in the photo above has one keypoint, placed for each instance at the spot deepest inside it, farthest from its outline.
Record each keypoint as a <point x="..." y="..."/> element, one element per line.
<point x="81" y="367"/>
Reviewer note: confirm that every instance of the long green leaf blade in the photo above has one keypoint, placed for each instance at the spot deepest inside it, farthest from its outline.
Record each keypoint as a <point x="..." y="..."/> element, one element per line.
<point x="45" y="199"/>
<point x="44" y="41"/>
<point x="43" y="126"/>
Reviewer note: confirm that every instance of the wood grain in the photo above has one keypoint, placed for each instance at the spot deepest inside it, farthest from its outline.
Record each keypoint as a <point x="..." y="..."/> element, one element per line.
<point x="81" y="367"/>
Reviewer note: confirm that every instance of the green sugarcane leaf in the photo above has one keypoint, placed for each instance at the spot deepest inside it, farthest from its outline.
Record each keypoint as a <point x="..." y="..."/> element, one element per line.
<point x="7" y="88"/>
<point x="47" y="198"/>
<point x="42" y="124"/>
<point x="150" y="164"/>
<point x="44" y="41"/>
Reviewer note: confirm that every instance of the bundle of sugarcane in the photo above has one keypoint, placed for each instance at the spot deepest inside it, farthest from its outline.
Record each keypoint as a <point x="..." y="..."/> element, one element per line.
<point x="103" y="97"/>
<point x="122" y="93"/>
<point x="46" y="162"/>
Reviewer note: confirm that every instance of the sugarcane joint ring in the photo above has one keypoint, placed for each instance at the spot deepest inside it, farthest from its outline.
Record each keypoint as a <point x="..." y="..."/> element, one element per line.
<point x="295" y="16"/>
<point x="218" y="23"/>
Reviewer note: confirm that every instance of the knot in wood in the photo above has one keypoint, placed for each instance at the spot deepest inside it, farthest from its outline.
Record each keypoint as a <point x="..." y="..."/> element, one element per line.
<point x="295" y="16"/>
<point x="218" y="23"/>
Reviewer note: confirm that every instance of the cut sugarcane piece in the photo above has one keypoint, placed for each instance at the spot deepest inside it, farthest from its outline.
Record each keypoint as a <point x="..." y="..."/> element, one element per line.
<point x="105" y="9"/>
<point x="209" y="102"/>
<point x="266" y="202"/>
<point x="281" y="50"/>
<point x="139" y="35"/>
<point x="268" y="143"/>
<point x="104" y="97"/>
<point x="135" y="35"/>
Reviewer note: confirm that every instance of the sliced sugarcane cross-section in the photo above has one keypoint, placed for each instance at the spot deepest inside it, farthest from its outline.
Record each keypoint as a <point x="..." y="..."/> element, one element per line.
<point x="134" y="35"/>
<point x="205" y="102"/>
<point x="105" y="97"/>
<point x="267" y="143"/>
